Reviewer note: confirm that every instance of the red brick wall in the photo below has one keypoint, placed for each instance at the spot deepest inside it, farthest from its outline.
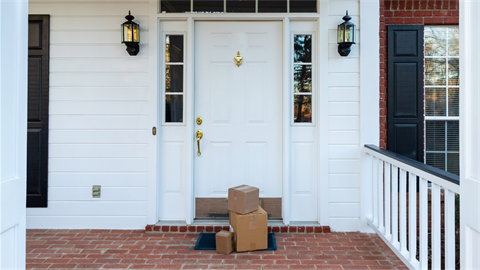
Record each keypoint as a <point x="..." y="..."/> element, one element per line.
<point x="426" y="12"/>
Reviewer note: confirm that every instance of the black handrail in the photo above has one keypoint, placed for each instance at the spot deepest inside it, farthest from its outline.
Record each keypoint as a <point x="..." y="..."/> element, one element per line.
<point x="450" y="177"/>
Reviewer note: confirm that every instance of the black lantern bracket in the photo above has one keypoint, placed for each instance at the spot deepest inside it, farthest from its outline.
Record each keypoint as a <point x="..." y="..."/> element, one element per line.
<point x="131" y="35"/>
<point x="346" y="36"/>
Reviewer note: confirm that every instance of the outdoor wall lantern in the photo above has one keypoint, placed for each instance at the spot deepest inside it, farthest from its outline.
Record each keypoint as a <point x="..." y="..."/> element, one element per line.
<point x="131" y="35"/>
<point x="345" y="35"/>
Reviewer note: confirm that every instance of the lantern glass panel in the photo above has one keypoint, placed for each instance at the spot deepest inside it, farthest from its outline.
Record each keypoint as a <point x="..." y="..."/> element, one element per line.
<point x="350" y="33"/>
<point x="340" y="31"/>
<point x="127" y="32"/>
<point x="136" y="33"/>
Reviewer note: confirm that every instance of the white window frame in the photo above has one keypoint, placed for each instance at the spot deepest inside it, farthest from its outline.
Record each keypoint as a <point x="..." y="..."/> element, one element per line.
<point x="164" y="79"/>
<point x="447" y="87"/>
<point x="292" y="80"/>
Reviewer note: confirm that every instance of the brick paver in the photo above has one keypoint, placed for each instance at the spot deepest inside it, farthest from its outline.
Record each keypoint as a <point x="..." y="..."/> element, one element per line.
<point x="127" y="249"/>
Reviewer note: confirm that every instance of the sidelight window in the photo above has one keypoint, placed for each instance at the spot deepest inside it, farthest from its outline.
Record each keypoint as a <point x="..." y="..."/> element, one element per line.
<point x="442" y="97"/>
<point x="302" y="78"/>
<point x="234" y="6"/>
<point x="174" y="78"/>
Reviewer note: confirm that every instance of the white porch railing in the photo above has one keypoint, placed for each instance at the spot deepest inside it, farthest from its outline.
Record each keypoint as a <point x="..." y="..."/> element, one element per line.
<point x="393" y="207"/>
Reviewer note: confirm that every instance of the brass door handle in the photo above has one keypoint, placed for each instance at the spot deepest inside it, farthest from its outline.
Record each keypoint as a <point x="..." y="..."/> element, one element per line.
<point x="198" y="135"/>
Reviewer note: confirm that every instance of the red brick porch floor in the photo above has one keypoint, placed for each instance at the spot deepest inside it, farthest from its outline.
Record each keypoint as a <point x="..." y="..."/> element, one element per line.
<point x="122" y="249"/>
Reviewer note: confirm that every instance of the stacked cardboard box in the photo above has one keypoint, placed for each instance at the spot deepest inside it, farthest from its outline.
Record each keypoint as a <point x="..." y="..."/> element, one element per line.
<point x="248" y="221"/>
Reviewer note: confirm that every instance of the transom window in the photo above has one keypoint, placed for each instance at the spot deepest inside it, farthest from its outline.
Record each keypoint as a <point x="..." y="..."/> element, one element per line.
<point x="235" y="6"/>
<point x="442" y="97"/>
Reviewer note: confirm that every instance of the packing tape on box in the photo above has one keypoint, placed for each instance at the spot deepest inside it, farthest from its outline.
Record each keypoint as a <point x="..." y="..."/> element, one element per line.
<point x="234" y="235"/>
<point x="254" y="221"/>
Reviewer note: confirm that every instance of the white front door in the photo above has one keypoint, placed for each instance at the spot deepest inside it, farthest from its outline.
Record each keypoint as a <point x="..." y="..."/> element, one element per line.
<point x="13" y="132"/>
<point x="241" y="107"/>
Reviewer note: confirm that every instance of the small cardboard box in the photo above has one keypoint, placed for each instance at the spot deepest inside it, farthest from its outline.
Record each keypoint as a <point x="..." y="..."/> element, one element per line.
<point x="250" y="230"/>
<point x="243" y="199"/>
<point x="224" y="242"/>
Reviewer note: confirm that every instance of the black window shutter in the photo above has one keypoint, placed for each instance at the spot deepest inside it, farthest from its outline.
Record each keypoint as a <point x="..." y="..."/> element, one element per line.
<point x="38" y="98"/>
<point x="405" y="90"/>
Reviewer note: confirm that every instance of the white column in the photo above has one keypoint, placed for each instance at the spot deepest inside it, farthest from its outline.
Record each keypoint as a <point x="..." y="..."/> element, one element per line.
<point x="369" y="46"/>
<point x="469" y="135"/>
<point x="13" y="131"/>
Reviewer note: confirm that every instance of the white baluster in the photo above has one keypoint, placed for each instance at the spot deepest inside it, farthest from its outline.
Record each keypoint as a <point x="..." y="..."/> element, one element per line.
<point x="403" y="211"/>
<point x="375" y="190"/>
<point x="380" y="195"/>
<point x="412" y="216"/>
<point x="395" y="205"/>
<point x="449" y="229"/>
<point x="436" y="241"/>
<point x="388" y="203"/>
<point x="423" y="224"/>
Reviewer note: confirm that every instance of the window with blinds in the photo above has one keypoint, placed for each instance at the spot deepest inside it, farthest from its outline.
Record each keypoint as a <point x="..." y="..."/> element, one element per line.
<point x="442" y="97"/>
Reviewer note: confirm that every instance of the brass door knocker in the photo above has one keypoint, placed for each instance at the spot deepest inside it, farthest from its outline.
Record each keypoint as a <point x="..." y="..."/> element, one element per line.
<point x="238" y="59"/>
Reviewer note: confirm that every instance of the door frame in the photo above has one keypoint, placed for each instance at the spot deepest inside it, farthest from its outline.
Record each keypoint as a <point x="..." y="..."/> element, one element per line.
<point x="190" y="113"/>
<point x="284" y="118"/>
<point x="322" y="167"/>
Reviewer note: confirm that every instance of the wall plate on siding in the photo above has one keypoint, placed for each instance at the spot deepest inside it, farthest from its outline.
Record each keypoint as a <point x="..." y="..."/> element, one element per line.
<point x="96" y="189"/>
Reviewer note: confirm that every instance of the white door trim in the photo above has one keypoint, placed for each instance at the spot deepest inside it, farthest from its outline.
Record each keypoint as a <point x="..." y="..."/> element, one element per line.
<point x="322" y="106"/>
<point x="286" y="123"/>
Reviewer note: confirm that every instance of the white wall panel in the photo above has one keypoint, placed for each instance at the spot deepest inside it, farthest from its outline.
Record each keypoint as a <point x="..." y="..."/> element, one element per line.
<point x="98" y="107"/>
<point x="344" y="195"/>
<point x="97" y="23"/>
<point x="99" y="118"/>
<point x="344" y="166"/>
<point x="344" y="108"/>
<point x="98" y="136"/>
<point x="97" y="122"/>
<point x="340" y="210"/>
<point x="77" y="93"/>
<point x="344" y="180"/>
<point x="344" y="152"/>
<point x="344" y="224"/>
<point x="99" y="64"/>
<point x="343" y="94"/>
<point x="344" y="120"/>
<point x="343" y="137"/>
<point x="97" y="165"/>
<point x="107" y="193"/>
<point x="98" y="150"/>
<point x="344" y="123"/>
<point x="106" y="179"/>
<point x="94" y="79"/>
<point x="91" y="208"/>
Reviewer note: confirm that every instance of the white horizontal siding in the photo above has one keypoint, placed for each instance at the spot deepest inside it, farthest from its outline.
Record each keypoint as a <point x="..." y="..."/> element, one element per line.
<point x="107" y="194"/>
<point x="98" y="117"/>
<point x="106" y="179"/>
<point x="344" y="123"/>
<point x="77" y="93"/>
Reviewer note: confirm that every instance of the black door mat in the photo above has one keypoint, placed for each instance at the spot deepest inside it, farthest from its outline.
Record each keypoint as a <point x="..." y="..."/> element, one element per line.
<point x="206" y="241"/>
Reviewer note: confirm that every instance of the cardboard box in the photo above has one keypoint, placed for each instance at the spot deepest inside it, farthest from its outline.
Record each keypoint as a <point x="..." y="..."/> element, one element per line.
<point x="243" y="199"/>
<point x="250" y="230"/>
<point x="224" y="242"/>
